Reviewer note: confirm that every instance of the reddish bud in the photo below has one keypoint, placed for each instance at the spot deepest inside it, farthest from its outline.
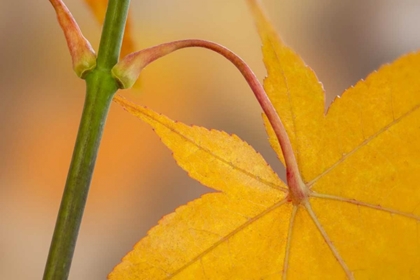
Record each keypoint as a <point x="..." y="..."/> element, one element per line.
<point x="82" y="53"/>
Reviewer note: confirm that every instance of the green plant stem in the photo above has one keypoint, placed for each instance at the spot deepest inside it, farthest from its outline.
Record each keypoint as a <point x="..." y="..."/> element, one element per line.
<point x="101" y="87"/>
<point x="112" y="33"/>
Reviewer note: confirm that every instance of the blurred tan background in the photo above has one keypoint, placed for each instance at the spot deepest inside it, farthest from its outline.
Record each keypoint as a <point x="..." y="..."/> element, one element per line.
<point x="136" y="181"/>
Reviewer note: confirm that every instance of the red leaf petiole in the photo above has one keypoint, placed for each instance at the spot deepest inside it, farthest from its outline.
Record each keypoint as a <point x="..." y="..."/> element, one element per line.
<point x="128" y="69"/>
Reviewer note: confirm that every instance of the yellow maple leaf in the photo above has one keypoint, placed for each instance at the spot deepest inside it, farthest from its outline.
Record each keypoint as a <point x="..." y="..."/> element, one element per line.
<point x="360" y="164"/>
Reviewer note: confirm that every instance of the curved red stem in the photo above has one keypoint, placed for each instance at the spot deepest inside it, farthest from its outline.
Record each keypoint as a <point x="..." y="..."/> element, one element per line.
<point x="128" y="70"/>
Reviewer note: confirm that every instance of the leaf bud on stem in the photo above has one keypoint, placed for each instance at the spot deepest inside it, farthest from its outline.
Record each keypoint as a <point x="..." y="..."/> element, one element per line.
<point x="81" y="51"/>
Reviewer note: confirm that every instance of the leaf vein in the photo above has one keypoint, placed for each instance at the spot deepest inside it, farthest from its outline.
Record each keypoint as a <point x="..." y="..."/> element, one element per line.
<point x="228" y="236"/>
<point x="365" y="204"/>
<point x="288" y="242"/>
<point x="364" y="143"/>
<point x="327" y="240"/>
<point x="152" y="118"/>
